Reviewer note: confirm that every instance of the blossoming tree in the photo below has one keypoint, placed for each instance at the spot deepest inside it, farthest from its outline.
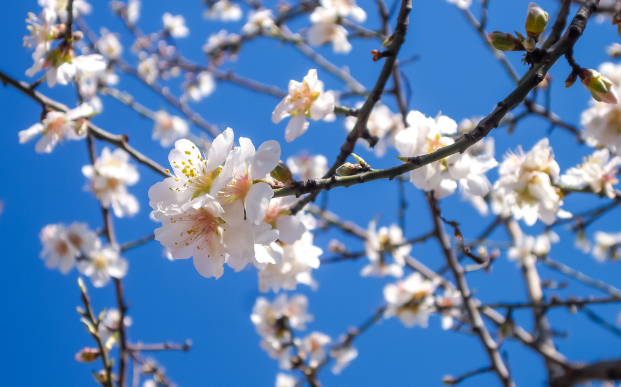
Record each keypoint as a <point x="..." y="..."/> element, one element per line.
<point x="227" y="201"/>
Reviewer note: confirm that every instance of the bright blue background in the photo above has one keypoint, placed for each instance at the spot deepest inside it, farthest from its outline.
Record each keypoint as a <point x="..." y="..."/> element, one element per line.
<point x="455" y="74"/>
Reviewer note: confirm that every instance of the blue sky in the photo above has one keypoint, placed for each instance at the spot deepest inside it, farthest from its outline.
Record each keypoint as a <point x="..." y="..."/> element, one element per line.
<point x="170" y="301"/>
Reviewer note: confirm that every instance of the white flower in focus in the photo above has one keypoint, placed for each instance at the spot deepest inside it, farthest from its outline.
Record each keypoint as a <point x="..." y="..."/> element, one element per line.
<point x="345" y="8"/>
<point x="109" y="45"/>
<point x="109" y="177"/>
<point x="597" y="172"/>
<point x="463" y="4"/>
<point x="57" y="126"/>
<point x="324" y="29"/>
<point x="389" y="240"/>
<point x="223" y="10"/>
<point x="133" y="11"/>
<point x="606" y="245"/>
<point x="451" y="301"/>
<point x="285" y="380"/>
<point x="148" y="69"/>
<point x="426" y="135"/>
<point x="102" y="264"/>
<point x="168" y="128"/>
<point x="526" y="249"/>
<point x="41" y="32"/>
<point x="175" y="25"/>
<point x="62" y="68"/>
<point x="382" y="123"/>
<point x="290" y="227"/>
<point x="411" y="300"/>
<point x="195" y="232"/>
<point x="243" y="197"/>
<point x="312" y="348"/>
<point x="195" y="177"/>
<point x="268" y="318"/>
<point x="343" y="355"/>
<point x="298" y="261"/>
<point x="244" y="239"/>
<point x="259" y="21"/>
<point x="525" y="184"/>
<point x="307" y="167"/>
<point x="305" y="99"/>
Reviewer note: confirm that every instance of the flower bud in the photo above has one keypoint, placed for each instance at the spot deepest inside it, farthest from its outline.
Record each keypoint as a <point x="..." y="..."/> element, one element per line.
<point x="87" y="355"/>
<point x="536" y="20"/>
<point x="349" y="169"/>
<point x="570" y="80"/>
<point x="601" y="88"/>
<point x="282" y="174"/>
<point x="529" y="44"/>
<point x="359" y="160"/>
<point x="504" y="41"/>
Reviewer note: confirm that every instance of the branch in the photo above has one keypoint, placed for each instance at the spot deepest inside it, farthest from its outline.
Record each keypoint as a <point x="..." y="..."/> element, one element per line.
<point x="478" y="326"/>
<point x="568" y="271"/>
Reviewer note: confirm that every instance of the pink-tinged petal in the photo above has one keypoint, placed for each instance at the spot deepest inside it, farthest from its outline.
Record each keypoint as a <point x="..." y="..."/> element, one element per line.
<point x="220" y="149"/>
<point x="290" y="228"/>
<point x="323" y="106"/>
<point x="257" y="202"/>
<point x="209" y="266"/>
<point x="161" y="192"/>
<point x="46" y="143"/>
<point x="236" y="263"/>
<point x="66" y="265"/>
<point x="233" y="212"/>
<point x="296" y="127"/>
<point x="282" y="110"/>
<point x="28" y="134"/>
<point x="265" y="160"/>
<point x="239" y="240"/>
<point x="264" y="234"/>
<point x="244" y="152"/>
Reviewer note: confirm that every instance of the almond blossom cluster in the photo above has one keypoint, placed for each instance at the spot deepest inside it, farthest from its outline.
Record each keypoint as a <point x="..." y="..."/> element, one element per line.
<point x="388" y="240"/>
<point x="64" y="247"/>
<point x="526" y="185"/>
<point x="217" y="208"/>
<point x="426" y="135"/>
<point x="602" y="121"/>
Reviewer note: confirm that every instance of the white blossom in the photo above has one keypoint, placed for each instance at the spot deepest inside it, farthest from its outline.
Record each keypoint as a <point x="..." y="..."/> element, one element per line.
<point x="463" y="4"/>
<point x="109" y="177"/>
<point x="217" y="40"/>
<point x="102" y="264"/>
<point x="389" y="240"/>
<point x="527" y="248"/>
<point x="243" y="197"/>
<point x="175" y="25"/>
<point x="285" y="380"/>
<point x="451" y="301"/>
<point x="133" y="11"/>
<point x="602" y="121"/>
<point x="41" y="32"/>
<point x="223" y="10"/>
<point x="305" y="99"/>
<point x="525" y="184"/>
<point x="261" y="20"/>
<point x="269" y="318"/>
<point x="290" y="227"/>
<point x="411" y="300"/>
<point x="204" y="86"/>
<point x="168" y="129"/>
<point x="597" y="172"/>
<point x="109" y="45"/>
<point x="57" y="126"/>
<point x="324" y="29"/>
<point x="307" y="167"/>
<point x="59" y="7"/>
<point x="62" y="245"/>
<point x="62" y="68"/>
<point x="109" y="326"/>
<point x="148" y="69"/>
<point x="345" y="8"/>
<point x="298" y="261"/>
<point x="606" y="245"/>
<point x="343" y="355"/>
<point x="382" y="123"/>
<point x="312" y="348"/>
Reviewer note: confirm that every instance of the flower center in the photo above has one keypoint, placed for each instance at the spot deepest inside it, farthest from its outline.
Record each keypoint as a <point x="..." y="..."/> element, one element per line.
<point x="61" y="248"/>
<point x="75" y="239"/>
<point x="100" y="262"/>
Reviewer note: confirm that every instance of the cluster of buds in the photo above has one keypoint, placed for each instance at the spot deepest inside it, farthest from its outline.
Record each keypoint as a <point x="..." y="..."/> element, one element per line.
<point x="601" y="88"/>
<point x="536" y="21"/>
